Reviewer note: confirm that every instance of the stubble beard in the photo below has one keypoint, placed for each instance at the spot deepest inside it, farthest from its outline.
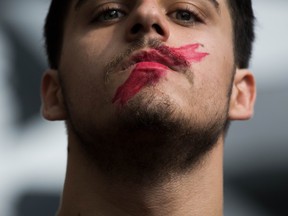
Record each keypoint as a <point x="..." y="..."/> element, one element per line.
<point x="150" y="140"/>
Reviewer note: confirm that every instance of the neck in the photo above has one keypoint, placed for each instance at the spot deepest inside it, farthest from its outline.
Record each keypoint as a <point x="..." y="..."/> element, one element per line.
<point x="198" y="193"/>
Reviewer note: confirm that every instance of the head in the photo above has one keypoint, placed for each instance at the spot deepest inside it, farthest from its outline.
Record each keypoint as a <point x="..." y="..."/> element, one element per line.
<point x="94" y="48"/>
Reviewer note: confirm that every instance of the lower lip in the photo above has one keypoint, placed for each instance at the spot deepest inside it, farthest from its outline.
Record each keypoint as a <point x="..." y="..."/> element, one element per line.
<point x="144" y="74"/>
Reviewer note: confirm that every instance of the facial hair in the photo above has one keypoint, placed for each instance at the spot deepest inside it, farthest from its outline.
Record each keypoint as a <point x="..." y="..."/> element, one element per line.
<point x="150" y="139"/>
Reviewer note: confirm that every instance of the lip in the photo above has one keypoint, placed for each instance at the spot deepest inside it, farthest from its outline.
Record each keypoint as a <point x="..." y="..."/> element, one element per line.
<point x="151" y="58"/>
<point x="151" y="65"/>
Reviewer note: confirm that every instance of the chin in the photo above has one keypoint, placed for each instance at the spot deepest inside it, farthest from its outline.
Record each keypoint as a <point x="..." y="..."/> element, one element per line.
<point x="150" y="109"/>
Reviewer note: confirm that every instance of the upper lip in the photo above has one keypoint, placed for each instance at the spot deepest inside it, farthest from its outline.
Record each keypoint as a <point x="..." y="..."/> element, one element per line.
<point x="153" y="55"/>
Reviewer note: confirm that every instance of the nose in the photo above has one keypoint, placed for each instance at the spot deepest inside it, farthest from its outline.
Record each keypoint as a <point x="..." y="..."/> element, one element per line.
<point x="147" y="20"/>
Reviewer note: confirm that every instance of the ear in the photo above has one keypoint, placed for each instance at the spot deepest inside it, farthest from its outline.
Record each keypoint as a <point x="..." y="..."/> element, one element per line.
<point x="52" y="98"/>
<point x="243" y="96"/>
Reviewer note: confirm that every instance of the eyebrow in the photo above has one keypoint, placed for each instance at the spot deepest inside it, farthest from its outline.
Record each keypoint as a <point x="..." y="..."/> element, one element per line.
<point x="80" y="3"/>
<point x="216" y="4"/>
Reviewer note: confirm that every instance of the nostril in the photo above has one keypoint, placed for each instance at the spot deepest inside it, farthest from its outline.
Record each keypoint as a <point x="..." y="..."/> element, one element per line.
<point x="158" y="29"/>
<point x="136" y="28"/>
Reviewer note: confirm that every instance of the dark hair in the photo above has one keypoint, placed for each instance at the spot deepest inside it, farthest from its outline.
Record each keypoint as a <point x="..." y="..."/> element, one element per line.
<point x="243" y="27"/>
<point x="54" y="30"/>
<point x="241" y="13"/>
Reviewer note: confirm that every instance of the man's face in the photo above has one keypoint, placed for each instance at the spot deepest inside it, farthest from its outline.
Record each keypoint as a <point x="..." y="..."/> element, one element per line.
<point x="104" y="62"/>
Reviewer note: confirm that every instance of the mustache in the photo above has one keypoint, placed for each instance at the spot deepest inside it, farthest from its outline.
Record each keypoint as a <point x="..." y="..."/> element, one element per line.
<point x="137" y="45"/>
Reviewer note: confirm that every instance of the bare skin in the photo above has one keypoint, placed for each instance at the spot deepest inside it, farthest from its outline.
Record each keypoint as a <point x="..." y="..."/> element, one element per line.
<point x="197" y="193"/>
<point x="79" y="94"/>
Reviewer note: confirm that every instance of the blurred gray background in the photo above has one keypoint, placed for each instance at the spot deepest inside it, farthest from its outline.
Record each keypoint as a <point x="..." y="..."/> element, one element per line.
<point x="33" y="151"/>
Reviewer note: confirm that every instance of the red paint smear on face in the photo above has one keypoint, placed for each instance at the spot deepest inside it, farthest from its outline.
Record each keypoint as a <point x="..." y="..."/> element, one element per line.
<point x="148" y="72"/>
<point x="190" y="53"/>
<point x="144" y="74"/>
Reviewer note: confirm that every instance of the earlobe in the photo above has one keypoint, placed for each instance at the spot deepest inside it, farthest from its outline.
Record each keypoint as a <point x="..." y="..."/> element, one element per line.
<point x="52" y="99"/>
<point x="243" y="96"/>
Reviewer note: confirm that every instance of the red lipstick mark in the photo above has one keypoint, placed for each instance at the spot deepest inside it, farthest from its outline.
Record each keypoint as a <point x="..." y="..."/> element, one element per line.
<point x="152" y="65"/>
<point x="190" y="53"/>
<point x="144" y="74"/>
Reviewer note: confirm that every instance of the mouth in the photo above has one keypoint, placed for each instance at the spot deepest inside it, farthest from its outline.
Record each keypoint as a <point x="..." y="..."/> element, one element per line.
<point x="156" y="58"/>
<point x="147" y="67"/>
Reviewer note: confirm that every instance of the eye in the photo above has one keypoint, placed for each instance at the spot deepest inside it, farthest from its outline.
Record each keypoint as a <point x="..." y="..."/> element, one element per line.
<point x="186" y="17"/>
<point x="108" y="15"/>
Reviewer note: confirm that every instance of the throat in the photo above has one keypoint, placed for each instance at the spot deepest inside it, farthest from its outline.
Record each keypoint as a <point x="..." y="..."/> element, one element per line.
<point x="196" y="193"/>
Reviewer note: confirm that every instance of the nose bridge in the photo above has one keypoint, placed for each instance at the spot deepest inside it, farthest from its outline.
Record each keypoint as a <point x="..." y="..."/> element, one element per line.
<point x="148" y="18"/>
<point x="149" y="9"/>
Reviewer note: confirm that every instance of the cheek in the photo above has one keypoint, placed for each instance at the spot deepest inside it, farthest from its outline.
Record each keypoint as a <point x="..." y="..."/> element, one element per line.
<point x="82" y="80"/>
<point x="82" y="62"/>
<point x="213" y="77"/>
<point x="221" y="61"/>
<point x="82" y="92"/>
<point x="86" y="100"/>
